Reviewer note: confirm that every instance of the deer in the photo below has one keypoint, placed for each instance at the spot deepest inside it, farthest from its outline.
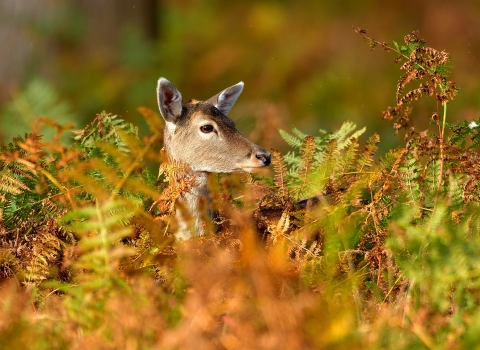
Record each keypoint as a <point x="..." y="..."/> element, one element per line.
<point x="199" y="135"/>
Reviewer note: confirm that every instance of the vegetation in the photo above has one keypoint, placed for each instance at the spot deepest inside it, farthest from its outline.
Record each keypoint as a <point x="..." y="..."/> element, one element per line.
<point x="383" y="253"/>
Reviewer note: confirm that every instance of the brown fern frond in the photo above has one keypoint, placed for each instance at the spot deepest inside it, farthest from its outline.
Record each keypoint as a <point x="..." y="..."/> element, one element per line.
<point x="180" y="179"/>
<point x="280" y="228"/>
<point x="405" y="79"/>
<point x="400" y="114"/>
<point x="412" y="95"/>
<point x="307" y="152"/>
<point x="153" y="120"/>
<point x="280" y="178"/>
<point x="413" y="38"/>
<point x="450" y="92"/>
<point x="8" y="263"/>
<point x="46" y="249"/>
<point x="399" y="155"/>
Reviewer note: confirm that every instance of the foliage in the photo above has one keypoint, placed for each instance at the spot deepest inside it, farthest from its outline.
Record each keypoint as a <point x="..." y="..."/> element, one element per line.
<point x="343" y="248"/>
<point x="308" y="171"/>
<point x="32" y="105"/>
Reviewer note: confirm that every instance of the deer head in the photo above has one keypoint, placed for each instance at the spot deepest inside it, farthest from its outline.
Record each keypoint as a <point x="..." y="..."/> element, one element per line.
<point x="200" y="135"/>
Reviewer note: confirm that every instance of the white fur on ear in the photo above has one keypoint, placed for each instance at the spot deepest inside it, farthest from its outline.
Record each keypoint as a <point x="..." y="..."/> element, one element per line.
<point x="225" y="100"/>
<point x="171" y="126"/>
<point x="169" y="100"/>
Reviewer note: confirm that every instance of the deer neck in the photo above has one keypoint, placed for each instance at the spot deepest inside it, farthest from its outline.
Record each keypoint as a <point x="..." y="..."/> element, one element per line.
<point x="193" y="195"/>
<point x="193" y="201"/>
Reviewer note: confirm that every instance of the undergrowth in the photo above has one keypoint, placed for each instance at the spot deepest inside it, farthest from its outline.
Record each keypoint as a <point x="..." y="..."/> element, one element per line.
<point x="343" y="248"/>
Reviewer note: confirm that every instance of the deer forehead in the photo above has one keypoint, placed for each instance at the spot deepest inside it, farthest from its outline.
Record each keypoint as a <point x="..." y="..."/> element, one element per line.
<point x="222" y="122"/>
<point x="200" y="113"/>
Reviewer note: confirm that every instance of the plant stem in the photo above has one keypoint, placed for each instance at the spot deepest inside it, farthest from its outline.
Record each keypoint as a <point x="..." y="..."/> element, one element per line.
<point x="442" y="155"/>
<point x="444" y="118"/>
<point x="442" y="144"/>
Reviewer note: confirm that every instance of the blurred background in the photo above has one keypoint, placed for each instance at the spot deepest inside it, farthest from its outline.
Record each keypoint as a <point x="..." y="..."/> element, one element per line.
<point x="301" y="61"/>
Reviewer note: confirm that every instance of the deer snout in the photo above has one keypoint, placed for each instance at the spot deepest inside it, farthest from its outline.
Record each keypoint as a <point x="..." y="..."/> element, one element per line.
<point x="264" y="157"/>
<point x="256" y="158"/>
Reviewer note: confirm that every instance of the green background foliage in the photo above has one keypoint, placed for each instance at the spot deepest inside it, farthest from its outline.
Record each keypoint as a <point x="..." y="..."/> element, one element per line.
<point x="301" y="57"/>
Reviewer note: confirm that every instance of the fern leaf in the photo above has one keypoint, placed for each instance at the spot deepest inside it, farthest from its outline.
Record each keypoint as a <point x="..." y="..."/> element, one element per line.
<point x="301" y="135"/>
<point x="291" y="159"/>
<point x="46" y="249"/>
<point x="346" y="132"/>
<point x="154" y="121"/>
<point x="11" y="185"/>
<point x="464" y="132"/>
<point x="366" y="158"/>
<point x="38" y="99"/>
<point x="292" y="141"/>
<point x="280" y="179"/>
<point x="307" y="161"/>
<point x="409" y="174"/>
<point x="331" y="161"/>
<point x="279" y="229"/>
<point x="348" y="157"/>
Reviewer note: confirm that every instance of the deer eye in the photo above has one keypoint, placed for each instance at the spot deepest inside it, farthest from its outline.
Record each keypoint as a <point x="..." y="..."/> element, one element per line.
<point x="206" y="128"/>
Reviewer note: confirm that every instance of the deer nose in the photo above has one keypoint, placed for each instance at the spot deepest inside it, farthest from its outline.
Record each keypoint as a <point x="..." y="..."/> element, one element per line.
<point x="264" y="158"/>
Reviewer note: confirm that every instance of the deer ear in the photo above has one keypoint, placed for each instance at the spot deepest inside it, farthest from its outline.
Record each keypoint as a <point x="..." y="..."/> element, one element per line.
<point x="225" y="100"/>
<point x="169" y="100"/>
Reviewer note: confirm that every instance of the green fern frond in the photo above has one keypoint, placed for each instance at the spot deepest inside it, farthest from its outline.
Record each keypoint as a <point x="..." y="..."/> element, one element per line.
<point x="331" y="162"/>
<point x="23" y="189"/>
<point x="409" y="173"/>
<point x="37" y="100"/>
<point x="333" y="153"/>
<point x="101" y="228"/>
<point x="105" y="129"/>
<point x="430" y="181"/>
<point x="347" y="160"/>
<point x="292" y="141"/>
<point x="306" y="166"/>
<point x="346" y="132"/>
<point x="366" y="158"/>
<point x="466" y="133"/>
<point x="455" y="190"/>
<point x="301" y="135"/>
<point x="114" y="161"/>
<point x="9" y="184"/>
<point x="292" y="159"/>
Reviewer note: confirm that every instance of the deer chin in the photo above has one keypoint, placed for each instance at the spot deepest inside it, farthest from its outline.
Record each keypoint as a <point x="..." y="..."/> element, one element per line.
<point x="248" y="168"/>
